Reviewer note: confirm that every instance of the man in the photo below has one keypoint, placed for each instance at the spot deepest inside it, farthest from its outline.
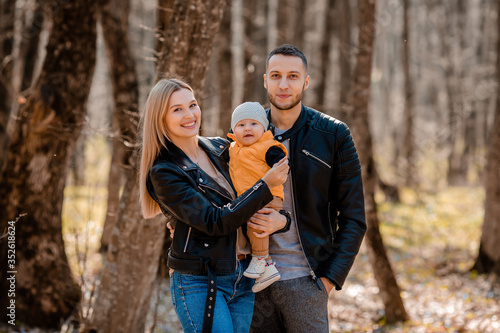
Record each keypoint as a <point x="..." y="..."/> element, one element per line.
<point x="324" y="195"/>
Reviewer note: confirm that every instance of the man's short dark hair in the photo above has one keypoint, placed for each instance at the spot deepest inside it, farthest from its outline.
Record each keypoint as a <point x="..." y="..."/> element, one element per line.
<point x="288" y="50"/>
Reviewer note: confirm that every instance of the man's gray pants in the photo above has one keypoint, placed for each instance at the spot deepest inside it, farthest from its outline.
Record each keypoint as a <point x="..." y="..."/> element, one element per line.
<point x="296" y="305"/>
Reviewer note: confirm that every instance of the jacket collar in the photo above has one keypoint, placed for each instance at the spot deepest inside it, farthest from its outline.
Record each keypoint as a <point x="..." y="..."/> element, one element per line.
<point x="301" y="121"/>
<point x="214" y="148"/>
<point x="174" y="154"/>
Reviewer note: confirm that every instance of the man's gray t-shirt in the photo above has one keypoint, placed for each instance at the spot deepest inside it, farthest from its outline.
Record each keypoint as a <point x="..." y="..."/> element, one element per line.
<point x="285" y="248"/>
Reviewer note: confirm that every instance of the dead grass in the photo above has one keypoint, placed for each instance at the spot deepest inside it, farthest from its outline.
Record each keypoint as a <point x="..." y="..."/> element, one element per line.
<point x="432" y="241"/>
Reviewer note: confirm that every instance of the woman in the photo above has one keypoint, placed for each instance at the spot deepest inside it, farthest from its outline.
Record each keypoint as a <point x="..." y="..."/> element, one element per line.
<point x="186" y="176"/>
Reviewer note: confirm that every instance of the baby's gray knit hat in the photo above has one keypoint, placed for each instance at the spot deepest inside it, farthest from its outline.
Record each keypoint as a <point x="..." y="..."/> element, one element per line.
<point x="249" y="110"/>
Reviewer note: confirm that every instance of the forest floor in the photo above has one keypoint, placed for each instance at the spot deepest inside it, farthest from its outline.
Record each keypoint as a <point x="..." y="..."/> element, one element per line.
<point x="432" y="240"/>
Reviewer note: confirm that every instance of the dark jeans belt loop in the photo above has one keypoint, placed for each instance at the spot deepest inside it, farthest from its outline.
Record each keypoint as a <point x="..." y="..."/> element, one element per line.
<point x="208" y="317"/>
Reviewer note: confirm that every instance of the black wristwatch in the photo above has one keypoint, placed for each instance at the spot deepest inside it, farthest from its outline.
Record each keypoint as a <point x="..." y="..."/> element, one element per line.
<point x="286" y="214"/>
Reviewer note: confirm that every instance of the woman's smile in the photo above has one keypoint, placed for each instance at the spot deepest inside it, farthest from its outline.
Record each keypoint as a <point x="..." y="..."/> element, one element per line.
<point x="190" y="125"/>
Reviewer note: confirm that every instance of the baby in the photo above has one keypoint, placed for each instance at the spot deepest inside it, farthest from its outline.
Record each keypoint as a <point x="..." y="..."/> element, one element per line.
<point x="253" y="152"/>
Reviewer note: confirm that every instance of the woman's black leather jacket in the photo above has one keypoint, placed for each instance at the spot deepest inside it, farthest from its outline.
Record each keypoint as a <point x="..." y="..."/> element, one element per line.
<point x="206" y="217"/>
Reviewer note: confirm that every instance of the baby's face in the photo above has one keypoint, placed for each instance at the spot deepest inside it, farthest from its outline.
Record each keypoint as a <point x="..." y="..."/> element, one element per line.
<point x="248" y="131"/>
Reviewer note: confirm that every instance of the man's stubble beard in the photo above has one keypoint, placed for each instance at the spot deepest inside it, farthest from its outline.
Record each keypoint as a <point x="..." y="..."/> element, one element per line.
<point x="285" y="107"/>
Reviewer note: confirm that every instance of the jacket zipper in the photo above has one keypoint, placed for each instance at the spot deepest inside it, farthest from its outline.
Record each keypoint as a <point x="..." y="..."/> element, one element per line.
<point x="213" y="203"/>
<point x="254" y="188"/>
<point x="329" y="221"/>
<point x="313" y="275"/>
<point x="187" y="240"/>
<point x="309" y="154"/>
<point x="189" y="232"/>
<point x="210" y="187"/>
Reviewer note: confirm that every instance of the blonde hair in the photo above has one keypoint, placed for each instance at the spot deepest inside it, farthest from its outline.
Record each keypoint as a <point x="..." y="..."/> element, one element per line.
<point x="154" y="136"/>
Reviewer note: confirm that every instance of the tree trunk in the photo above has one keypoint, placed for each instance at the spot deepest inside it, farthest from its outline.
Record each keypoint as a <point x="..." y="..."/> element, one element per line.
<point x="314" y="18"/>
<point x="114" y="19"/>
<point x="21" y="32"/>
<point x="224" y="76"/>
<point x="30" y="54"/>
<point x="37" y="157"/>
<point x="454" y="169"/>
<point x="237" y="63"/>
<point x="287" y="13"/>
<point x="453" y="49"/>
<point x="188" y="41"/>
<point x="165" y="17"/>
<point x="256" y="30"/>
<point x="131" y="266"/>
<point x="7" y="9"/>
<point x="358" y="100"/>
<point x="488" y="259"/>
<point x="77" y="162"/>
<point x="131" y="263"/>
<point x="345" y="57"/>
<point x="272" y="25"/>
<point x="19" y="48"/>
<point x="32" y="17"/>
<point x="326" y="64"/>
<point x="408" y="145"/>
<point x="464" y="73"/>
<point x="298" y="25"/>
<point x="115" y="181"/>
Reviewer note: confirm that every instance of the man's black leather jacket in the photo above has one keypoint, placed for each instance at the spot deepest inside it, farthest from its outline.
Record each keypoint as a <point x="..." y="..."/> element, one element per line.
<point x="206" y="217"/>
<point x="327" y="191"/>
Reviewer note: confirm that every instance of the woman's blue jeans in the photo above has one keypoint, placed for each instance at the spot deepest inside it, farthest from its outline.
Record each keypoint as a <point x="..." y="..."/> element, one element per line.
<point x="233" y="306"/>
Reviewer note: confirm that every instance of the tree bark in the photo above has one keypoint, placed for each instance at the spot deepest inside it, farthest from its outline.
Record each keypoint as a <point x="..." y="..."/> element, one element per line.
<point x="131" y="266"/>
<point x="32" y="34"/>
<point x="224" y="76"/>
<point x="345" y="57"/>
<point x="272" y="25"/>
<point x="131" y="263"/>
<point x="488" y="259"/>
<point x="7" y="9"/>
<point x="130" y="269"/>
<point x="298" y="23"/>
<point x="187" y="45"/>
<point x="77" y="162"/>
<point x="314" y="18"/>
<point x="165" y="15"/>
<point x="238" y="68"/>
<point x="453" y="51"/>
<point x="43" y="139"/>
<point x="20" y="37"/>
<point x="358" y="100"/>
<point x="408" y="145"/>
<point x="256" y="30"/>
<point x="287" y="13"/>
<point x="114" y="19"/>
<point x="115" y="181"/>
<point x="326" y="64"/>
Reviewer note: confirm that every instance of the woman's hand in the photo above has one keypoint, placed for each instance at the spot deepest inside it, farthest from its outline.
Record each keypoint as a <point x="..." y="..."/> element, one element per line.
<point x="268" y="221"/>
<point x="277" y="174"/>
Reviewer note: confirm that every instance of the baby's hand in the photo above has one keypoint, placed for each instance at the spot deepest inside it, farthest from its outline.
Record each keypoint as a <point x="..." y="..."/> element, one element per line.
<point x="277" y="174"/>
<point x="171" y="229"/>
